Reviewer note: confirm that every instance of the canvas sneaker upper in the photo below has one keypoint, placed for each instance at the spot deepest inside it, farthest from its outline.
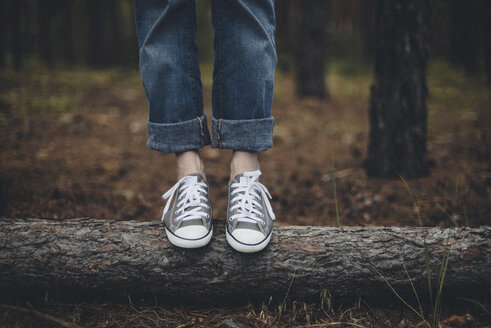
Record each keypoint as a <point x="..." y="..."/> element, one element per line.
<point x="249" y="214"/>
<point x="187" y="214"/>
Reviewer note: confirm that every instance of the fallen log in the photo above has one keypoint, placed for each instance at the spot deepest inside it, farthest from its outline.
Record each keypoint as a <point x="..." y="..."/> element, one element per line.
<point x="120" y="258"/>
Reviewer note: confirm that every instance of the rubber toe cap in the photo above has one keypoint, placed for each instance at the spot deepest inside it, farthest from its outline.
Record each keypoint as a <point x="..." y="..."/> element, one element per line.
<point x="191" y="232"/>
<point x="248" y="236"/>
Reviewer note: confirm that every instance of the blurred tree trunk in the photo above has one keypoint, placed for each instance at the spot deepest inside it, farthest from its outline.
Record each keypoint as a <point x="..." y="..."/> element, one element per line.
<point x="17" y="34"/>
<point x="67" y="32"/>
<point x="397" y="141"/>
<point x="367" y="25"/>
<point x="3" y="34"/>
<point x="312" y="48"/>
<point x="45" y="18"/>
<point x="486" y="21"/>
<point x="464" y="34"/>
<point x="116" y="52"/>
<point x="283" y="37"/>
<point x="96" y="49"/>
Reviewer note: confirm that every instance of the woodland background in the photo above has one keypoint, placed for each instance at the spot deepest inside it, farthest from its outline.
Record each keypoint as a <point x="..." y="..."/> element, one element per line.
<point x="72" y="138"/>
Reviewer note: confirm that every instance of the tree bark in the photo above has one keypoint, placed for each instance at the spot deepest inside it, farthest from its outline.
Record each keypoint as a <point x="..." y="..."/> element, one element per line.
<point x="45" y="12"/>
<point x="66" y="8"/>
<point x="3" y="33"/>
<point x="312" y="50"/>
<point x="486" y="32"/>
<point x="105" y="257"/>
<point x="283" y="36"/>
<point x="465" y="32"/>
<point x="367" y="25"/>
<point x="117" y="52"/>
<point x="97" y="52"/>
<point x="397" y="144"/>
<point x="17" y="39"/>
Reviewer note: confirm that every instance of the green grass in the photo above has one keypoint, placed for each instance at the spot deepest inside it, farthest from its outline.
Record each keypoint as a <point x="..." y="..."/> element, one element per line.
<point x="349" y="80"/>
<point x="456" y="96"/>
<point x="56" y="91"/>
<point x="435" y="298"/>
<point x="435" y="316"/>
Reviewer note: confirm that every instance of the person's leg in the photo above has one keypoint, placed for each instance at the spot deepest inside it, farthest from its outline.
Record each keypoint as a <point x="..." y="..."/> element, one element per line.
<point x="170" y="73"/>
<point x="171" y="78"/>
<point x="243" y="77"/>
<point x="243" y="161"/>
<point x="189" y="162"/>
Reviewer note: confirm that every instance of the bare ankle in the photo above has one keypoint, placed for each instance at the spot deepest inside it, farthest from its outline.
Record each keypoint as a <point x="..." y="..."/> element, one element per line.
<point x="189" y="162"/>
<point x="243" y="161"/>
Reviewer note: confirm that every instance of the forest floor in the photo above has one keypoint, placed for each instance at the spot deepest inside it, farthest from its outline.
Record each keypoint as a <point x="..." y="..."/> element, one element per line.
<point x="72" y="144"/>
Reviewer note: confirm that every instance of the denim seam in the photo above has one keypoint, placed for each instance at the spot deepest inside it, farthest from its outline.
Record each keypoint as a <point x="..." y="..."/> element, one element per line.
<point x="219" y="128"/>
<point x="201" y="130"/>
<point x="179" y="136"/>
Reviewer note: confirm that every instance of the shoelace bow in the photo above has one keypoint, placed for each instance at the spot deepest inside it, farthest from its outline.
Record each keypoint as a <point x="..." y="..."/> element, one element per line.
<point x="190" y="197"/>
<point x="247" y="193"/>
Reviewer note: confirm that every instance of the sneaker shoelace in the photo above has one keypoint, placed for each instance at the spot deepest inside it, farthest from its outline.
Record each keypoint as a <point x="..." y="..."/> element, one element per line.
<point x="246" y="195"/>
<point x="190" y="202"/>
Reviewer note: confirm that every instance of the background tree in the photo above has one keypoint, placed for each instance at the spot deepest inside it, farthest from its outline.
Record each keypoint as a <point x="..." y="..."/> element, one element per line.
<point x="312" y="48"/>
<point x="96" y="49"/>
<point x="465" y="34"/>
<point x="3" y="34"/>
<point x="283" y="35"/>
<point x="117" y="48"/>
<point x="45" y="14"/>
<point x="366" y="18"/>
<point x="67" y="31"/>
<point x="16" y="40"/>
<point x="487" y="40"/>
<point x="397" y="140"/>
<point x="102" y="34"/>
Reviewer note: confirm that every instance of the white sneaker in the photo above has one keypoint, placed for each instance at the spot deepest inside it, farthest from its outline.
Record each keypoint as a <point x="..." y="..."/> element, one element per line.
<point x="249" y="214"/>
<point x="188" y="216"/>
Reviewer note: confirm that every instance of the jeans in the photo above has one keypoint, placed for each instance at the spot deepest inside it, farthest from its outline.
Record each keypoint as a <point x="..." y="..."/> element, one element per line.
<point x="243" y="74"/>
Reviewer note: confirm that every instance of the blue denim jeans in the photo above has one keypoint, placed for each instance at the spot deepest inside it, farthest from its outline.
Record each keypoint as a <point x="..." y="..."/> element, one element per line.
<point x="243" y="74"/>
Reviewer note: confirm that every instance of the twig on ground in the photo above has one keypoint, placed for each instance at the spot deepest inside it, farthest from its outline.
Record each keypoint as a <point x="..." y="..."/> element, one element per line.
<point x="42" y="315"/>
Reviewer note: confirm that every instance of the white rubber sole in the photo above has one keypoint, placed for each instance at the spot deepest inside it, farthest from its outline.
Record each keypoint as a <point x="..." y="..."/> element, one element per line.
<point x="189" y="243"/>
<point x="246" y="248"/>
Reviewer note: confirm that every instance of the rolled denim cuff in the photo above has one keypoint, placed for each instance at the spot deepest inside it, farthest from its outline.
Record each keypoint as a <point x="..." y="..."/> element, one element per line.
<point x="178" y="137"/>
<point x="250" y="135"/>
